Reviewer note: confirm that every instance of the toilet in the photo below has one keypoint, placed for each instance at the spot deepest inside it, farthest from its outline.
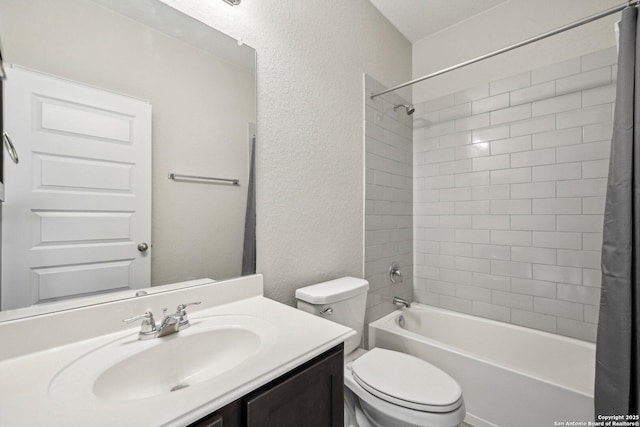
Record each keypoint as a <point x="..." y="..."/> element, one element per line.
<point x="383" y="388"/>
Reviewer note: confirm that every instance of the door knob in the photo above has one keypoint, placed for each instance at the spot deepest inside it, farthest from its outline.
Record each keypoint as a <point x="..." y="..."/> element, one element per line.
<point x="142" y="247"/>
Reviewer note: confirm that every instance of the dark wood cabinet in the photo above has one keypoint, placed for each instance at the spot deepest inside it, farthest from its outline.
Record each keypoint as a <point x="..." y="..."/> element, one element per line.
<point x="310" y="395"/>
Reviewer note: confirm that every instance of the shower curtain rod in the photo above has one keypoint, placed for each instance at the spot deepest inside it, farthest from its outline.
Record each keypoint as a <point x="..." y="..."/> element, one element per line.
<point x="542" y="36"/>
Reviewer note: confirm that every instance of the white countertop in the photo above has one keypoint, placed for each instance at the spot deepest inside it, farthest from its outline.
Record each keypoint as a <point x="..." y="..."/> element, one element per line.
<point x="25" y="397"/>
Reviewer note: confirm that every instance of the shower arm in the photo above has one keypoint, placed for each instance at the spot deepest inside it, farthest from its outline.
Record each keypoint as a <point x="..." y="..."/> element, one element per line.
<point x="539" y="37"/>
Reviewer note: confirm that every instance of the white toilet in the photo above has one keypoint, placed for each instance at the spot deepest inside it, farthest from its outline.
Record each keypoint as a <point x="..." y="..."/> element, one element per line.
<point x="384" y="388"/>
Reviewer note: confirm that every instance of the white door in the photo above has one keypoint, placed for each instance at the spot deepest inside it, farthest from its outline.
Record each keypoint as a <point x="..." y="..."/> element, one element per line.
<point x="78" y="203"/>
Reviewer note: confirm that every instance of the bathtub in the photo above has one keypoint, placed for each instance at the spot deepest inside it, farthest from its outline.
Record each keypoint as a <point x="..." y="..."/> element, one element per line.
<point x="510" y="375"/>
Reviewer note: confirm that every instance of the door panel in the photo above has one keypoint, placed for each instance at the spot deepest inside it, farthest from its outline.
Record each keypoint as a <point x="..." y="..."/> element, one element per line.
<point x="66" y="227"/>
<point x="56" y="282"/>
<point x="56" y="115"/>
<point x="54" y="172"/>
<point x="79" y="202"/>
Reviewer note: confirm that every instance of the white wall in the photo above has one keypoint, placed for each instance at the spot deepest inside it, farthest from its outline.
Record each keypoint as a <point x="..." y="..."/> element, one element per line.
<point x="310" y="156"/>
<point x="503" y="25"/>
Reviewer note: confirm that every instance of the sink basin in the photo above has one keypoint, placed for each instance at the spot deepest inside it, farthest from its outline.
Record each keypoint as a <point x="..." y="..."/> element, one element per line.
<point x="128" y="369"/>
<point x="177" y="363"/>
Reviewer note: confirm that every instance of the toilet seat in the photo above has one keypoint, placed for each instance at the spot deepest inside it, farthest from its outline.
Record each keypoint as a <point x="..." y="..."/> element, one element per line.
<point x="406" y="381"/>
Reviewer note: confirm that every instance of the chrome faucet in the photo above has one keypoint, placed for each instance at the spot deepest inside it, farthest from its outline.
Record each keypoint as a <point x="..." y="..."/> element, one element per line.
<point x="401" y="302"/>
<point x="171" y="323"/>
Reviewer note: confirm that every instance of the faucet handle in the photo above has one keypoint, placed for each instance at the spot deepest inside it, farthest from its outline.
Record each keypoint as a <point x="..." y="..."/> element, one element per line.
<point x="180" y="310"/>
<point x="148" y="316"/>
<point x="181" y="307"/>
<point x="148" y="326"/>
<point x="394" y="272"/>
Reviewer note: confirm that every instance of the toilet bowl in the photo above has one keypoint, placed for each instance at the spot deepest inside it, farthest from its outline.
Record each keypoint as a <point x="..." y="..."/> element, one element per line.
<point x="383" y="388"/>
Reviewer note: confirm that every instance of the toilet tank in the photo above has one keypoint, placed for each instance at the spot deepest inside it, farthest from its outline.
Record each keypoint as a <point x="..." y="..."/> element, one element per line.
<point x="341" y="300"/>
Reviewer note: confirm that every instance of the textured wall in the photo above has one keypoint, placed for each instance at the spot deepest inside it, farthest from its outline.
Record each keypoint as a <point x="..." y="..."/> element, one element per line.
<point x="310" y="152"/>
<point x="503" y="25"/>
<point x="510" y="179"/>
<point x="388" y="200"/>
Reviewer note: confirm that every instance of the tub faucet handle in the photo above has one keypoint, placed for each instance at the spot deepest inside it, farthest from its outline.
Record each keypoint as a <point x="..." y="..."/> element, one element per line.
<point x="395" y="273"/>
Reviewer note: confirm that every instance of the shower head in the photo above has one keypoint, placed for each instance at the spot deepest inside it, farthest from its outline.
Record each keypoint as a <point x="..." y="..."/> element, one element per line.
<point x="407" y="108"/>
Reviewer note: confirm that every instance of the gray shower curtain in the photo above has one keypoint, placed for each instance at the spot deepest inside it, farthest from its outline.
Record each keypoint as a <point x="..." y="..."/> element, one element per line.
<point x="249" y="249"/>
<point x="617" y="382"/>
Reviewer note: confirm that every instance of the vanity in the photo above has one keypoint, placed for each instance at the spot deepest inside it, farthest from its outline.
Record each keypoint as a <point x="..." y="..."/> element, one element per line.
<point x="245" y="360"/>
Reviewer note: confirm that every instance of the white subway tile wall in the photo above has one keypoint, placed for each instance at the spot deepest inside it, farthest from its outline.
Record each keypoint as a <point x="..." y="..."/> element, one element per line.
<point x="389" y="192"/>
<point x="509" y="185"/>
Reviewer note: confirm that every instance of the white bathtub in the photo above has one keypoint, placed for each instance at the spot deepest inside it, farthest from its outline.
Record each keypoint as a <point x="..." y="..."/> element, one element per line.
<point x="510" y="376"/>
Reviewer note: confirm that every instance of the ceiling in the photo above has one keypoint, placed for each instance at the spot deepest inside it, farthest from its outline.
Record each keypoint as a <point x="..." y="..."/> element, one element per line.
<point x="417" y="19"/>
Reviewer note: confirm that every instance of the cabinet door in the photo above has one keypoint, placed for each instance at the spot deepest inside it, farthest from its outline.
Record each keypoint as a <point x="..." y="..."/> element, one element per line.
<point x="310" y="397"/>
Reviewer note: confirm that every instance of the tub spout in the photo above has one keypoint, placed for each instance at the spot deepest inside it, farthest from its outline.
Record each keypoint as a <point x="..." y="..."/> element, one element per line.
<point x="401" y="302"/>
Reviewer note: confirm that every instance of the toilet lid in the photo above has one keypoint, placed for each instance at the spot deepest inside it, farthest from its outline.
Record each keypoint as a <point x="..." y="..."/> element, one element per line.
<point x="406" y="381"/>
